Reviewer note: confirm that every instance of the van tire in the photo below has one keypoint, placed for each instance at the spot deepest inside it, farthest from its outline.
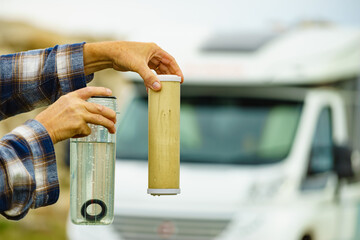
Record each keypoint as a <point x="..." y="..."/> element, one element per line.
<point x="307" y="237"/>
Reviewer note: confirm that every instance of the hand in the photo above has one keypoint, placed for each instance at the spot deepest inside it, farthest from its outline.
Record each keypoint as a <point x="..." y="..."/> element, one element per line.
<point x="69" y="115"/>
<point x="131" y="56"/>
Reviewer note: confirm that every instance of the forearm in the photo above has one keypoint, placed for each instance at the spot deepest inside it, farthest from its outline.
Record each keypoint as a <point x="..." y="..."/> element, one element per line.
<point x="28" y="175"/>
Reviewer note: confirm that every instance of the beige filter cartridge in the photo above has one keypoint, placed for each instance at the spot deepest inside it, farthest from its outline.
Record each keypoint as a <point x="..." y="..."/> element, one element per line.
<point x="164" y="137"/>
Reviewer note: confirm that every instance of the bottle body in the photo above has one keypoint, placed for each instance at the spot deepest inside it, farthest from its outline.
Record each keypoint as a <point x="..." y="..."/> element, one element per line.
<point x="164" y="137"/>
<point x="92" y="170"/>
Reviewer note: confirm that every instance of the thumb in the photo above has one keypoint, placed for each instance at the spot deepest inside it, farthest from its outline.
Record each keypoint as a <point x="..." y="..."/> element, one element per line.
<point x="150" y="79"/>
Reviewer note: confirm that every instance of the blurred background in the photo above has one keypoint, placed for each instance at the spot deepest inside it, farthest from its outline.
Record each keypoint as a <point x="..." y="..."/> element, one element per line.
<point x="26" y="25"/>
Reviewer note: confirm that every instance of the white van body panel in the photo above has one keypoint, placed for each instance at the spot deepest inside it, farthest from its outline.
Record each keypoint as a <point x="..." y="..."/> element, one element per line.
<point x="257" y="201"/>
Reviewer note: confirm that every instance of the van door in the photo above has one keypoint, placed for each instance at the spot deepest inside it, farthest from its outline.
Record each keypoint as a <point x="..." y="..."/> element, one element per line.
<point x="349" y="217"/>
<point x="319" y="184"/>
<point x="349" y="200"/>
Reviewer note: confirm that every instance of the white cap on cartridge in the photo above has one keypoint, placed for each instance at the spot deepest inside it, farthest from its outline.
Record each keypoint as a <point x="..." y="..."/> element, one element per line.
<point x="163" y="191"/>
<point x="169" y="78"/>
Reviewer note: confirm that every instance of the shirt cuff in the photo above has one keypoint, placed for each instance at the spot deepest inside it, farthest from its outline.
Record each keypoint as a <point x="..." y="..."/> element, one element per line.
<point x="44" y="162"/>
<point x="70" y="67"/>
<point x="40" y="166"/>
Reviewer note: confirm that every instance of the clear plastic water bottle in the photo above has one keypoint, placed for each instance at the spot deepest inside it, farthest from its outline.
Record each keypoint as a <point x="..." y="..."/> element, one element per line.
<point x="92" y="169"/>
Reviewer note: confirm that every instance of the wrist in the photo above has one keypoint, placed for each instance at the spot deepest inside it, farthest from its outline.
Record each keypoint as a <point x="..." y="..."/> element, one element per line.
<point x="47" y="128"/>
<point x="96" y="57"/>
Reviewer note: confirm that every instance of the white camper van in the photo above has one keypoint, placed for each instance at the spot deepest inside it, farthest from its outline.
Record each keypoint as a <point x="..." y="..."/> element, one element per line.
<point x="268" y="146"/>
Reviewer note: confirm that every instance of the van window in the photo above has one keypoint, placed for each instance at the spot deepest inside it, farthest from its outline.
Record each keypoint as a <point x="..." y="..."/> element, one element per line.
<point x="224" y="130"/>
<point x="321" y="160"/>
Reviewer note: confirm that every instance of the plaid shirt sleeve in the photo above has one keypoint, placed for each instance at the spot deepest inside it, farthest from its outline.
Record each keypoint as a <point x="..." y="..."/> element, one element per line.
<point x="39" y="77"/>
<point x="28" y="172"/>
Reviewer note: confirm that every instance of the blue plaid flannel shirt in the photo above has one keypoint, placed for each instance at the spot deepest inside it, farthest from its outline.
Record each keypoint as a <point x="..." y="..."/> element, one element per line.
<point x="28" y="171"/>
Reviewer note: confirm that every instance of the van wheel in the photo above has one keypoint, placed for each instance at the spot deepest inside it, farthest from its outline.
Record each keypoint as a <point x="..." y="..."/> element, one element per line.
<point x="307" y="237"/>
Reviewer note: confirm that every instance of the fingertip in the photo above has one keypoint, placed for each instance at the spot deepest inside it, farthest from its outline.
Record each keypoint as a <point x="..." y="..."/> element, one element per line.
<point x="153" y="82"/>
<point x="156" y="86"/>
<point x="108" y="91"/>
<point x="180" y="74"/>
<point x="112" y="130"/>
<point x="87" y="92"/>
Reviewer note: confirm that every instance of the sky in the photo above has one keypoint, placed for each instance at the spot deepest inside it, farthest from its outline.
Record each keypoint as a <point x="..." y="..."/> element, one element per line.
<point x="174" y="23"/>
<point x="119" y="17"/>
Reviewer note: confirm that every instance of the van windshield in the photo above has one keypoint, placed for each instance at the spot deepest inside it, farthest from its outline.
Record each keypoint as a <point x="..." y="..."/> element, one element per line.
<point x="218" y="130"/>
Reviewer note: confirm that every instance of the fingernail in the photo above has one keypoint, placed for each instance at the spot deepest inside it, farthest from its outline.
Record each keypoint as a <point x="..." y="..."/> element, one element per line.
<point x="109" y="91"/>
<point x="156" y="86"/>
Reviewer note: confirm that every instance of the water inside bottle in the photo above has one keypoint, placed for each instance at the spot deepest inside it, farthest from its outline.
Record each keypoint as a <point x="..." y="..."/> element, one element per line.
<point x="95" y="202"/>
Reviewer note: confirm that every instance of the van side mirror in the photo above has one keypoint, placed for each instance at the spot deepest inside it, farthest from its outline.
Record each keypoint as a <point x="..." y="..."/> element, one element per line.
<point x="342" y="162"/>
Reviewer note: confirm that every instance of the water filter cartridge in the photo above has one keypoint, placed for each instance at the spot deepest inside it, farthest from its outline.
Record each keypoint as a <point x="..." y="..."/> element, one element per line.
<point x="164" y="137"/>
